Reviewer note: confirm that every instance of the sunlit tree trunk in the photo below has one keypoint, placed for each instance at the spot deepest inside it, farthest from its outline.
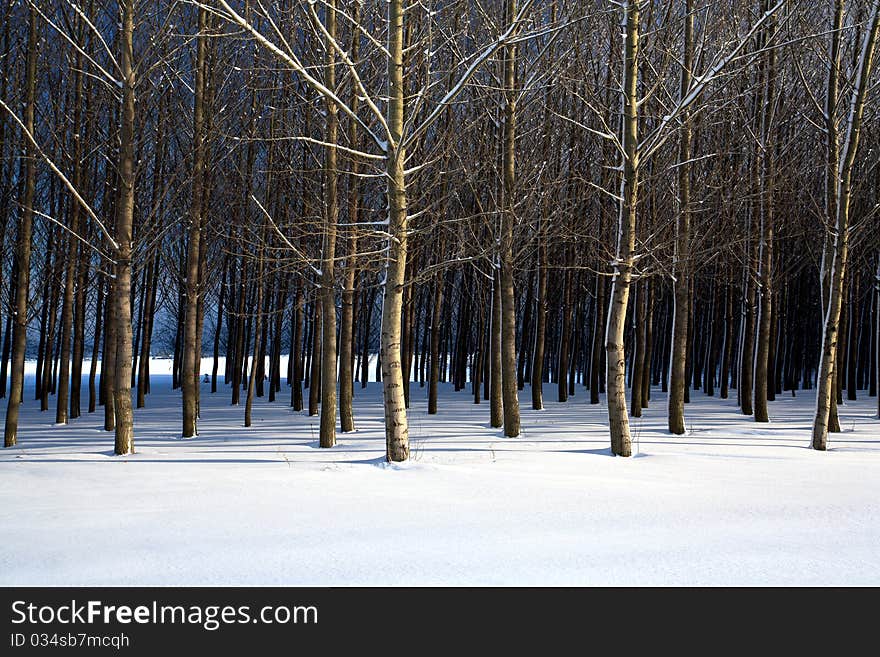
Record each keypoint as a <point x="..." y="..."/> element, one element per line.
<point x="396" y="425"/>
<point x="621" y="441"/>
<point x="840" y="253"/>
<point x="124" y="228"/>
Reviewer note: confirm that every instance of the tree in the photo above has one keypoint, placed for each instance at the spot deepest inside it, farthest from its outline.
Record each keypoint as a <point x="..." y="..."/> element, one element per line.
<point x="841" y="237"/>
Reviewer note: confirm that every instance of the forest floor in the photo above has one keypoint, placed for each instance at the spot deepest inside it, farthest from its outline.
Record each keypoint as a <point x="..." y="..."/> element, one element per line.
<point x="729" y="503"/>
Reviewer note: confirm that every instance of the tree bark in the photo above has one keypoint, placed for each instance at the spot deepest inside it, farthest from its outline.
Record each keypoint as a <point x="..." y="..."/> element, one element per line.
<point x="841" y="235"/>
<point x="124" y="228"/>
<point x="537" y="372"/>
<point x="192" y="343"/>
<point x="508" y="296"/>
<point x="641" y="346"/>
<point x="437" y="313"/>
<point x="23" y="245"/>
<point x="621" y="441"/>
<point x="67" y="306"/>
<point x="681" y="262"/>
<point x="496" y="405"/>
<point x="347" y="319"/>
<point x="396" y="425"/>
<point x="762" y="353"/>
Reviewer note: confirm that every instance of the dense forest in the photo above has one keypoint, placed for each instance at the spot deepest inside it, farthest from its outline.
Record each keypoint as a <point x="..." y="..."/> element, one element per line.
<point x="588" y="198"/>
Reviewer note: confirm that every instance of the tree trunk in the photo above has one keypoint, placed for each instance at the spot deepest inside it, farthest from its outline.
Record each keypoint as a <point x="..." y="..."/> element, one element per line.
<point x="258" y="333"/>
<point x="434" y="381"/>
<point x="540" y="320"/>
<point x="192" y="343"/>
<point x="67" y="306"/>
<point x="328" y="275"/>
<point x="296" y="393"/>
<point x="649" y="343"/>
<point x="79" y="329"/>
<point x="621" y="441"/>
<point x="596" y="357"/>
<point x="349" y="294"/>
<point x="396" y="425"/>
<point x="762" y="354"/>
<point x="496" y="408"/>
<point x="681" y="262"/>
<point x="508" y="296"/>
<point x="23" y="245"/>
<point x="641" y="345"/>
<point x="96" y="342"/>
<point x="315" y="357"/>
<point x="747" y="361"/>
<point x="124" y="228"/>
<point x="841" y="235"/>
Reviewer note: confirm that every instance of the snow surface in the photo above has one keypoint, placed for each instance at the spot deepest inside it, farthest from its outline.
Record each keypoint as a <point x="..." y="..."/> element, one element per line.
<point x="730" y="503"/>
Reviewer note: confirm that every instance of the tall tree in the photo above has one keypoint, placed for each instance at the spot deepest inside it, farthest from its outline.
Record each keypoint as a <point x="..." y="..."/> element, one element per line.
<point x="23" y="242"/>
<point x="840" y="239"/>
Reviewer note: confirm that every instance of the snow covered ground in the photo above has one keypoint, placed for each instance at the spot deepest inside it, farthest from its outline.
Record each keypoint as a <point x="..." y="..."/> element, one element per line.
<point x="728" y="503"/>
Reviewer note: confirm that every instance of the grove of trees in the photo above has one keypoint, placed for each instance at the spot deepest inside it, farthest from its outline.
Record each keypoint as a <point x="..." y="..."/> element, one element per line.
<point x="585" y="197"/>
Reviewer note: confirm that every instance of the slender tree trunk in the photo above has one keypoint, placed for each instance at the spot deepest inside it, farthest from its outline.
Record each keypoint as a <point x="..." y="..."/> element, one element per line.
<point x="649" y="343"/>
<point x="314" y="369"/>
<point x="598" y="324"/>
<point x="540" y="320"/>
<point x="853" y="339"/>
<point x="239" y="338"/>
<point x="564" y="348"/>
<point x="525" y="335"/>
<point x="192" y="342"/>
<point x="762" y="353"/>
<point x="52" y="299"/>
<point x="508" y="296"/>
<point x="328" y="275"/>
<point x="728" y="341"/>
<point x="219" y="326"/>
<point x="747" y="361"/>
<point x="396" y="425"/>
<point x="641" y="346"/>
<point x="349" y="294"/>
<point x="621" y="441"/>
<point x="23" y="244"/>
<point x="124" y="227"/>
<point x="79" y="329"/>
<point x="367" y="332"/>
<point x="96" y="342"/>
<point x="437" y="313"/>
<point x="496" y="406"/>
<point x="681" y="263"/>
<point x="296" y="393"/>
<point x="67" y="306"/>
<point x="258" y="333"/>
<point x="147" y="331"/>
<point x="841" y="235"/>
